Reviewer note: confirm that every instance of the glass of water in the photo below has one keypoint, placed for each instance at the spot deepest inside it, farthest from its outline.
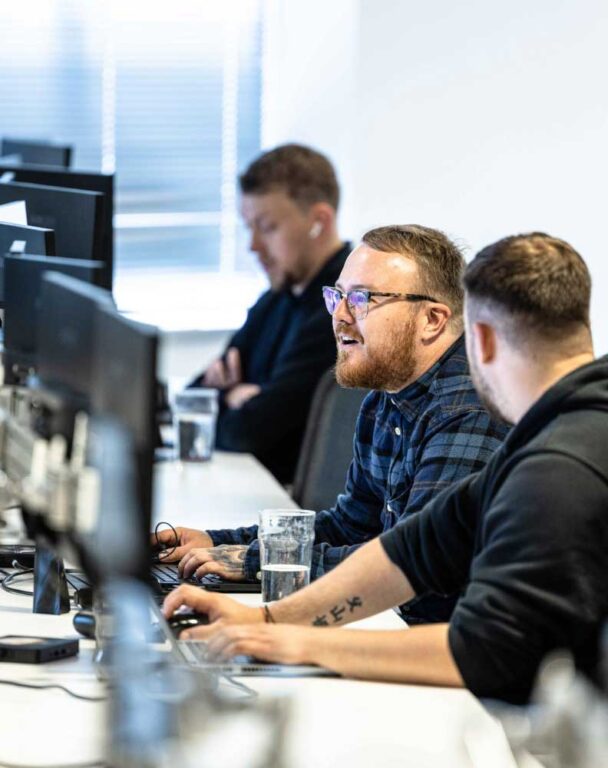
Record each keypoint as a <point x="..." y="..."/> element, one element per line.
<point x="286" y="537"/>
<point x="194" y="418"/>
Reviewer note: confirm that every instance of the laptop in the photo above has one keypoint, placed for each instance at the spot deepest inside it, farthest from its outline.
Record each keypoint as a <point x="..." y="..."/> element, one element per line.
<point x="194" y="653"/>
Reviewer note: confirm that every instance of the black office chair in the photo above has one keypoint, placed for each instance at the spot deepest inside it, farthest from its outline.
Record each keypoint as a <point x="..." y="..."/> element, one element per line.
<point x="327" y="448"/>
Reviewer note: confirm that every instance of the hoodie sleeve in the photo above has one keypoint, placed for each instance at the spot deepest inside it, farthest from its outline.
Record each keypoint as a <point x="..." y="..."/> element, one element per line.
<point x="539" y="580"/>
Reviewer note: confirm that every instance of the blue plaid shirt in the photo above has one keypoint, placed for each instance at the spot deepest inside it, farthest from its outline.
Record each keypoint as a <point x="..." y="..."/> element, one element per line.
<point x="408" y="446"/>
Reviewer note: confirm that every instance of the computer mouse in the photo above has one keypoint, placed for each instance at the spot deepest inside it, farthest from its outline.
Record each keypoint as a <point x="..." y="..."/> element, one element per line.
<point x="84" y="623"/>
<point x="186" y="620"/>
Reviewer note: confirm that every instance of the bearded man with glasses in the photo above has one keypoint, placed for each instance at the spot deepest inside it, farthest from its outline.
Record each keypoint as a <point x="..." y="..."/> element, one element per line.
<point x="397" y="311"/>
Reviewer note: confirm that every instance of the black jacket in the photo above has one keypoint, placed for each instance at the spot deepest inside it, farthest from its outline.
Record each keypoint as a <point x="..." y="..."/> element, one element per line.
<point x="526" y="539"/>
<point x="286" y="344"/>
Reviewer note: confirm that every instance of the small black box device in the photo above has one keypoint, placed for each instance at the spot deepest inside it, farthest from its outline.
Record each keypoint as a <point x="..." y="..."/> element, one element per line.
<point x="22" y="649"/>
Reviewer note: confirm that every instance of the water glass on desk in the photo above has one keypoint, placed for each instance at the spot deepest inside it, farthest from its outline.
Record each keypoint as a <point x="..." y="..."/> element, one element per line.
<point x="194" y="418"/>
<point x="286" y="537"/>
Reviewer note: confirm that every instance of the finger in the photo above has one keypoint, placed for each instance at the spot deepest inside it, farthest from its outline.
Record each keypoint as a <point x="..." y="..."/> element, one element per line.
<point x="218" y="641"/>
<point x="188" y="595"/>
<point x="173" y="555"/>
<point x="202" y="632"/>
<point x="190" y="562"/>
<point x="215" y="375"/>
<point x="233" y="366"/>
<point x="166" y="536"/>
<point x="240" y="640"/>
<point x="211" y="566"/>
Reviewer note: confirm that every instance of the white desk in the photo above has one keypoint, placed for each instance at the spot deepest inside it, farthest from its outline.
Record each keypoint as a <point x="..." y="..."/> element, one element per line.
<point x="335" y="722"/>
<point x="226" y="492"/>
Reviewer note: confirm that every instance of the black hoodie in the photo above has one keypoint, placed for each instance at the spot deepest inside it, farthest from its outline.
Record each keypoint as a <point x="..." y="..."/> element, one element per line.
<point x="526" y="542"/>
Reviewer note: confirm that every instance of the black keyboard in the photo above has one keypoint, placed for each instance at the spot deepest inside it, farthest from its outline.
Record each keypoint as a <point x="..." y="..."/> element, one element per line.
<point x="167" y="578"/>
<point x="167" y="574"/>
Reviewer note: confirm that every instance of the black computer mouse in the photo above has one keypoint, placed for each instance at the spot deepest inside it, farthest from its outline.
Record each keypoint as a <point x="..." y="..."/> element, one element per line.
<point x="186" y="620"/>
<point x="84" y="623"/>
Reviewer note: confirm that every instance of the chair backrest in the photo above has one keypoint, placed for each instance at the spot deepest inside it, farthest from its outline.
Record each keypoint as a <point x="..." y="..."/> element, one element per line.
<point x="327" y="448"/>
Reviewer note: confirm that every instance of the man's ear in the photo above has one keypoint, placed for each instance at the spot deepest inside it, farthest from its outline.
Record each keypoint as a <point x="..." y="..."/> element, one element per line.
<point x="485" y="341"/>
<point x="436" y="317"/>
<point x="322" y="216"/>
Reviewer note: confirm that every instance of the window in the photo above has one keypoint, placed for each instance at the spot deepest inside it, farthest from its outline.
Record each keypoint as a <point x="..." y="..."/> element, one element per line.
<point x="167" y="95"/>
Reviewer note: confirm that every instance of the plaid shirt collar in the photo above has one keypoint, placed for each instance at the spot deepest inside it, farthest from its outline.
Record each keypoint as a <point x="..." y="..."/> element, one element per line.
<point x="412" y="399"/>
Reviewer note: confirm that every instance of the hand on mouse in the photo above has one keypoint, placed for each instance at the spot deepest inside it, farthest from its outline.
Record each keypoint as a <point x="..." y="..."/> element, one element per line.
<point x="220" y="609"/>
<point x="226" y="560"/>
<point x="187" y="538"/>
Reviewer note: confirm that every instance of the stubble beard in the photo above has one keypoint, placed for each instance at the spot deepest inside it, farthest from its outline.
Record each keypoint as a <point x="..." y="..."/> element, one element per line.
<point x="485" y="394"/>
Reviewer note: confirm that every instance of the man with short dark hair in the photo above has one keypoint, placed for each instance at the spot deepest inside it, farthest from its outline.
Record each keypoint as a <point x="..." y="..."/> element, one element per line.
<point x="268" y="373"/>
<point x="397" y="319"/>
<point x="525" y="539"/>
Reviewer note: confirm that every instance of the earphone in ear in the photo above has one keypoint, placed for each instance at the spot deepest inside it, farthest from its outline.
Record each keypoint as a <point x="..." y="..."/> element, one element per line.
<point x="315" y="230"/>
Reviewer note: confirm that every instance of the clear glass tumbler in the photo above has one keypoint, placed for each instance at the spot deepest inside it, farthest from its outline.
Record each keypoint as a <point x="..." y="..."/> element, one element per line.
<point x="286" y="537"/>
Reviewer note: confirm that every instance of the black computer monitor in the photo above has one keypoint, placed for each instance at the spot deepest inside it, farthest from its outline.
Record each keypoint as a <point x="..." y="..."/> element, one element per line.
<point x="66" y="337"/>
<point x="36" y="240"/>
<point x="22" y="283"/>
<point x="31" y="239"/>
<point x="124" y="388"/>
<point x="38" y="151"/>
<point x="94" y="182"/>
<point x="74" y="215"/>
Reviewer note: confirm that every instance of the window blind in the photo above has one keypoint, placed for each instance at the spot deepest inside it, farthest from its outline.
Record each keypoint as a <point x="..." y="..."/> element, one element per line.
<point x="166" y="95"/>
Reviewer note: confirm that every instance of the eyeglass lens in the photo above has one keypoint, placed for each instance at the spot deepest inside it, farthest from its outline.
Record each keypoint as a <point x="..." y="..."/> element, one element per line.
<point x="356" y="300"/>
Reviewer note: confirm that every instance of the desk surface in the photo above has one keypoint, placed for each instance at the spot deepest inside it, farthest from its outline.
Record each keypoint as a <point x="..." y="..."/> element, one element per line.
<point x="334" y="723"/>
<point x="226" y="492"/>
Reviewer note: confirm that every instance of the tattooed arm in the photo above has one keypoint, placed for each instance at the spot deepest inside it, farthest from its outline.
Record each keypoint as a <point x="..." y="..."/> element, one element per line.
<point x="364" y="584"/>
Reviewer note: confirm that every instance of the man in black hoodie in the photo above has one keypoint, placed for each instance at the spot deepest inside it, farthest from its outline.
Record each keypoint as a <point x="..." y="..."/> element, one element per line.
<point x="525" y="540"/>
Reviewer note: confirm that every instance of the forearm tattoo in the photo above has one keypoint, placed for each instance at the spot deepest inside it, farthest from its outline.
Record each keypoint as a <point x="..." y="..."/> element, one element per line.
<point x="336" y="614"/>
<point x="231" y="556"/>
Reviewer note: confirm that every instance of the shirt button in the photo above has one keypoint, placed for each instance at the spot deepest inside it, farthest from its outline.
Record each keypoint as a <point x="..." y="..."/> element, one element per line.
<point x="398" y="431"/>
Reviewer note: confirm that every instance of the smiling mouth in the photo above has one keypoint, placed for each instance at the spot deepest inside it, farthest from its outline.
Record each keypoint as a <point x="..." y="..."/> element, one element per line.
<point x="344" y="340"/>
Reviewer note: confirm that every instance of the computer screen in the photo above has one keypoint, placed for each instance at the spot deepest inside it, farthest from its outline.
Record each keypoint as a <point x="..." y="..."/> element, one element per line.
<point x="74" y="215"/>
<point x="124" y="387"/>
<point x="66" y="337"/>
<point x="22" y="282"/>
<point x="94" y="182"/>
<point x="35" y="240"/>
<point x="38" y="151"/>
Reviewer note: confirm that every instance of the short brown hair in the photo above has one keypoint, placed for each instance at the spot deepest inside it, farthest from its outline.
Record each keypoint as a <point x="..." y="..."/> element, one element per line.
<point x="304" y="174"/>
<point x="440" y="262"/>
<point x="540" y="282"/>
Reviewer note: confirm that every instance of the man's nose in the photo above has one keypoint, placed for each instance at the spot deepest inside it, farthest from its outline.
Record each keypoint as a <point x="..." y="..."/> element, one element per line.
<point x="255" y="244"/>
<point x="342" y="312"/>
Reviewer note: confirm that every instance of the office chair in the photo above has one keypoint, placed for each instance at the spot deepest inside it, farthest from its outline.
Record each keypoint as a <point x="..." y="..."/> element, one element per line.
<point x="327" y="447"/>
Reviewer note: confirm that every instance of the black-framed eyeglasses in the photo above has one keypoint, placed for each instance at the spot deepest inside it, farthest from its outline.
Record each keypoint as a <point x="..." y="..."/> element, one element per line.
<point x="357" y="300"/>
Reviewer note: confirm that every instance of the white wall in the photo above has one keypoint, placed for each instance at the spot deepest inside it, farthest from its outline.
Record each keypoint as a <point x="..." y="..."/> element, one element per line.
<point x="482" y="118"/>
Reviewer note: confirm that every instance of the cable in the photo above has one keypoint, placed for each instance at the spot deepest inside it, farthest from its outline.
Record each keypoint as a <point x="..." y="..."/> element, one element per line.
<point x="250" y="693"/>
<point x="14" y="590"/>
<point x="45" y="686"/>
<point x="158" y="543"/>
